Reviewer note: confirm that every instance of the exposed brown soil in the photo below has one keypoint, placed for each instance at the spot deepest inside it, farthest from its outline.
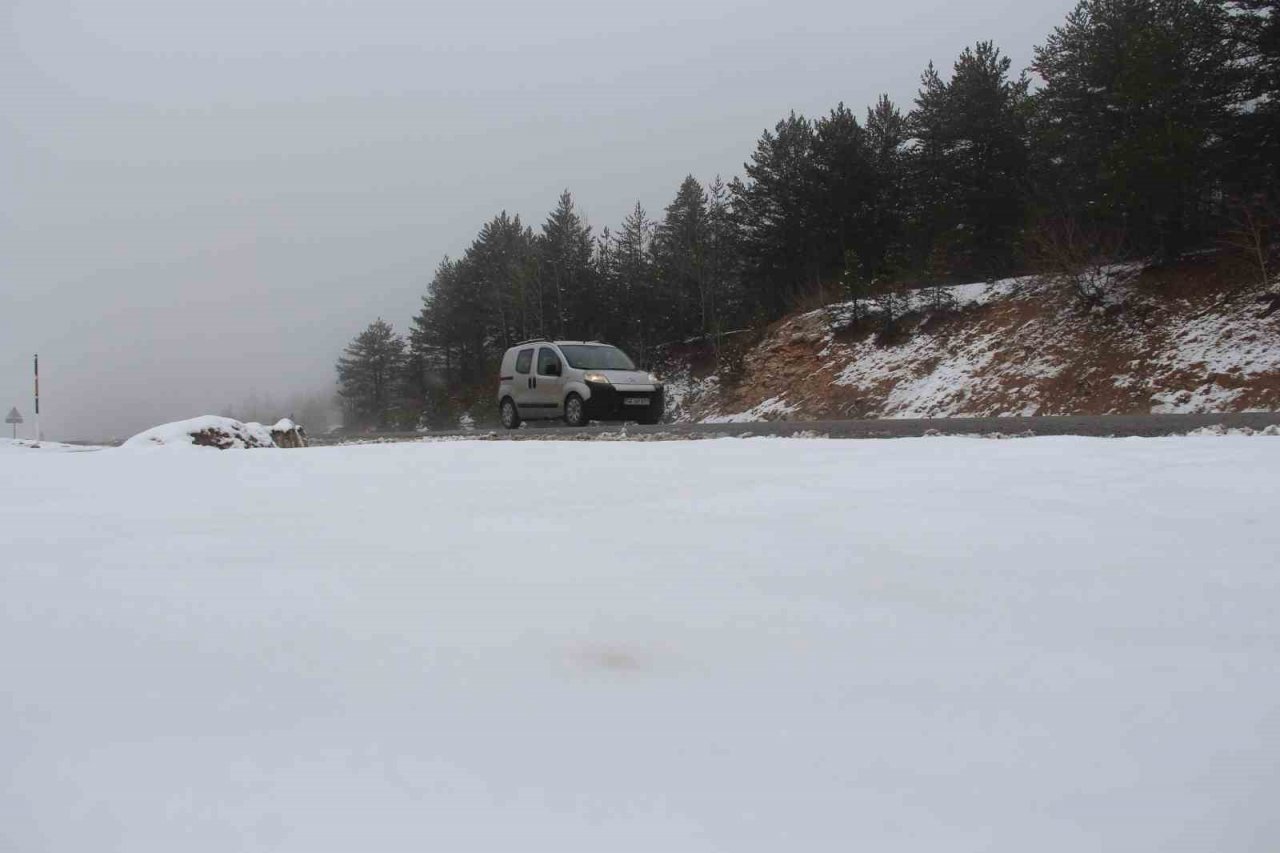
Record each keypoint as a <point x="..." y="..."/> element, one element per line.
<point x="1180" y="338"/>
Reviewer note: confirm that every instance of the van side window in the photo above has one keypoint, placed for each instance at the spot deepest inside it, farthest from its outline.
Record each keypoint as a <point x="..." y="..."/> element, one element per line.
<point x="524" y="360"/>
<point x="548" y="362"/>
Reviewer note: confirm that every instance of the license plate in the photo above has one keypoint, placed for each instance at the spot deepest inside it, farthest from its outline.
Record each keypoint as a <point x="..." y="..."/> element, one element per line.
<point x="636" y="401"/>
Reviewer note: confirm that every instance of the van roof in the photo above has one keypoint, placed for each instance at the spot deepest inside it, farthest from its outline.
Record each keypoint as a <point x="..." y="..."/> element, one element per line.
<point x="559" y="343"/>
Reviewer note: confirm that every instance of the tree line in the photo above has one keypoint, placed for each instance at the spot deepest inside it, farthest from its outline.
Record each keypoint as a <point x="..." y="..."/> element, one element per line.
<point x="1143" y="128"/>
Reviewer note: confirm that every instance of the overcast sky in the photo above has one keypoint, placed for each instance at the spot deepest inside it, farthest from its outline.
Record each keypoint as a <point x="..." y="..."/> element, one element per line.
<point x="205" y="200"/>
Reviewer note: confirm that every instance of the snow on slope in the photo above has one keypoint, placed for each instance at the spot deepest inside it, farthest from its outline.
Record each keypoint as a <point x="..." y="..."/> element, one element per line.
<point x="925" y="644"/>
<point x="1014" y="347"/>
<point x="770" y="409"/>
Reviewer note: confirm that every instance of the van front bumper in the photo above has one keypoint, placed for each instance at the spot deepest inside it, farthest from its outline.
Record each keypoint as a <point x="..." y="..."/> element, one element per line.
<point x="610" y="403"/>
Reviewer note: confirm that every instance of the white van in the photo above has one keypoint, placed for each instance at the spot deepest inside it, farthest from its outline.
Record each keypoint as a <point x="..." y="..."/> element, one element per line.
<point x="580" y="381"/>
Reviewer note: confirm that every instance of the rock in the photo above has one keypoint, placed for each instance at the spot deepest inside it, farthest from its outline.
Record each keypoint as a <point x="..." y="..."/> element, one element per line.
<point x="286" y="433"/>
<point x="208" y="431"/>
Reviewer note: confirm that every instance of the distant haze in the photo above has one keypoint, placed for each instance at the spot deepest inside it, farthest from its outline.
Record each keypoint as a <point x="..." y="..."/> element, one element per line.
<point x="201" y="202"/>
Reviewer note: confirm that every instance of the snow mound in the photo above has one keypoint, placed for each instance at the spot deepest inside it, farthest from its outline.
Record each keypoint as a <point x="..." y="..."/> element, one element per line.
<point x="24" y="444"/>
<point x="287" y="433"/>
<point x="1222" y="429"/>
<point x="206" y="431"/>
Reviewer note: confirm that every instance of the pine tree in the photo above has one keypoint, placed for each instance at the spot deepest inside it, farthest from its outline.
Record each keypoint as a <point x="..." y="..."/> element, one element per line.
<point x="1252" y="176"/>
<point x="887" y="134"/>
<point x="969" y="163"/>
<point x="722" y="273"/>
<point x="497" y="258"/>
<point x="856" y="287"/>
<point x="1129" y="123"/>
<point x="432" y="337"/>
<point x="475" y="307"/>
<point x="633" y="278"/>
<point x="844" y="190"/>
<point x="938" y="298"/>
<point x="680" y="253"/>
<point x="370" y="373"/>
<point x="1257" y="31"/>
<point x="432" y="362"/>
<point x="612" y="311"/>
<point x="568" y="301"/>
<point x="777" y="215"/>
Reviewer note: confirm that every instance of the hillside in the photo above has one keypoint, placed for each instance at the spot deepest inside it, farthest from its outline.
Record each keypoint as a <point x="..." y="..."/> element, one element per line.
<point x="1174" y="339"/>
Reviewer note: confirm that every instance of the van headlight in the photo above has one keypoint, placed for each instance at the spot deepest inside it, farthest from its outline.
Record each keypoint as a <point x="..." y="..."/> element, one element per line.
<point x="597" y="378"/>
<point x="653" y="377"/>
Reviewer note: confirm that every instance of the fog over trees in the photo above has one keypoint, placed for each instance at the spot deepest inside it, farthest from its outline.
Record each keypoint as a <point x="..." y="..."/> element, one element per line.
<point x="205" y="202"/>
<point x="1143" y="129"/>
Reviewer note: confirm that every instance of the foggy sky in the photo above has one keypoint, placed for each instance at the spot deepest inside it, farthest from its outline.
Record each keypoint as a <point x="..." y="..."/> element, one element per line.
<point x="205" y="200"/>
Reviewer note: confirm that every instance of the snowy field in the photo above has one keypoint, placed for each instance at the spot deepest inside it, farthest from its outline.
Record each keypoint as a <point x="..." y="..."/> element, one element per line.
<point x="1055" y="644"/>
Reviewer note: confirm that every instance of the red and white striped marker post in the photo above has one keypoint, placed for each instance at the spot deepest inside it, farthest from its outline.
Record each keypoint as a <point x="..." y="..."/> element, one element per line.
<point x="37" y="372"/>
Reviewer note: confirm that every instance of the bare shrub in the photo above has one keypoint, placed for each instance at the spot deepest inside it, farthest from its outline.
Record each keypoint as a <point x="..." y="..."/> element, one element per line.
<point x="1088" y="262"/>
<point x="938" y="298"/>
<point x="893" y="303"/>
<point x="731" y="365"/>
<point x="857" y="287"/>
<point x="813" y="300"/>
<point x="1252" y="234"/>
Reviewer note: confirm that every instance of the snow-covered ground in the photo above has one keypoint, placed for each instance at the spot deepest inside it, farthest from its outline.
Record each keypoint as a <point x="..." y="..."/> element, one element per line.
<point x="1055" y="644"/>
<point x="25" y="444"/>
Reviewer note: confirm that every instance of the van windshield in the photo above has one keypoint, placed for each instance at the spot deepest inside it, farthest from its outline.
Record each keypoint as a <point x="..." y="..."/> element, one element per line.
<point x="594" y="357"/>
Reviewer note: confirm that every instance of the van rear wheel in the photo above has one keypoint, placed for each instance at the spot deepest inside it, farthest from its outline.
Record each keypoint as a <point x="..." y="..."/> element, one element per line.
<point x="509" y="414"/>
<point x="575" y="413"/>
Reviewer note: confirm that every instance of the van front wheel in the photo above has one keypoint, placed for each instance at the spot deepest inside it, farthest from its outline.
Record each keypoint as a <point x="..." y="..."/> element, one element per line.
<point x="575" y="412"/>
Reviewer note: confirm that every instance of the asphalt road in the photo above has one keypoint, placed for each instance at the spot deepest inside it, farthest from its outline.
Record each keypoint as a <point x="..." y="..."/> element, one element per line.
<point x="1094" y="425"/>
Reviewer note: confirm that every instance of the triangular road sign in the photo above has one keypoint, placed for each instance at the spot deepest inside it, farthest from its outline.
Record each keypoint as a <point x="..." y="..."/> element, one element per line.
<point x="15" y="417"/>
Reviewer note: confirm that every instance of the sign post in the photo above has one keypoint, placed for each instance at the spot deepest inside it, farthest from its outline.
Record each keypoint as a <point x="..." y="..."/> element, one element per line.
<point x="15" y="418"/>
<point x="37" y="371"/>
